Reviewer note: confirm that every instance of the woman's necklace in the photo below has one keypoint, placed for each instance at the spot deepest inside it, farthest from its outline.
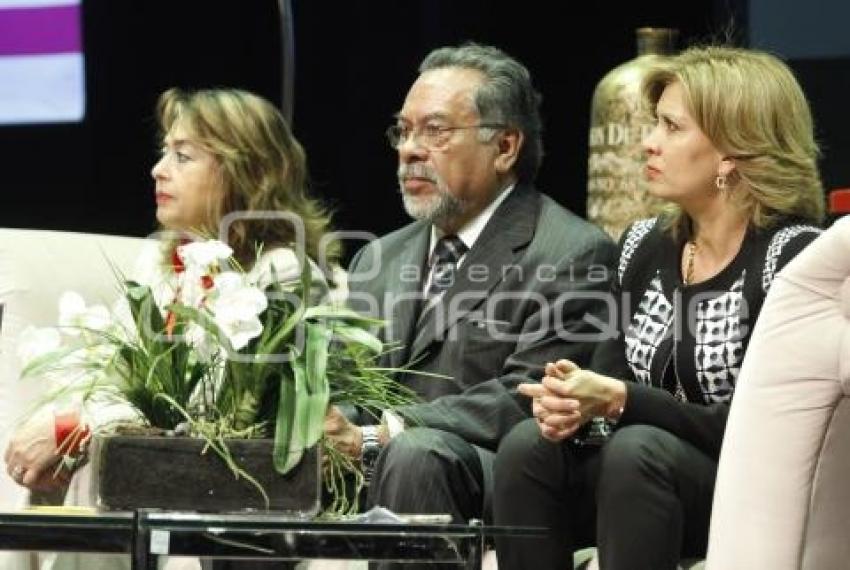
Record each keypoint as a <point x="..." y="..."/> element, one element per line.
<point x="689" y="264"/>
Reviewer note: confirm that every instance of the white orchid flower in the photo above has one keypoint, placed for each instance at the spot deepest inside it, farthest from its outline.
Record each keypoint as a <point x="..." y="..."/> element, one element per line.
<point x="240" y="331"/>
<point x="191" y="288"/>
<point x="203" y="343"/>
<point x="200" y="260"/>
<point x="74" y="315"/>
<point x="200" y="255"/>
<point x="34" y="342"/>
<point x="235" y="308"/>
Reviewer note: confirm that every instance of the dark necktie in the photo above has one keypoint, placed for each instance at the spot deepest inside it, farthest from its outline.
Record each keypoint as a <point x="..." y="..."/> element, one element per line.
<point x="447" y="252"/>
<point x="443" y="264"/>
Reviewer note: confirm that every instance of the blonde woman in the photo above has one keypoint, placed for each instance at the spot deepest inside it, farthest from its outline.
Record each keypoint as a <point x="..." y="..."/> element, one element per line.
<point x="733" y="153"/>
<point x="229" y="156"/>
<point x="229" y="168"/>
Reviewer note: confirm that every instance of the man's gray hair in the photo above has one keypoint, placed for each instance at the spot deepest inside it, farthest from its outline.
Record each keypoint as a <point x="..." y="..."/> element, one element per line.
<point x="507" y="96"/>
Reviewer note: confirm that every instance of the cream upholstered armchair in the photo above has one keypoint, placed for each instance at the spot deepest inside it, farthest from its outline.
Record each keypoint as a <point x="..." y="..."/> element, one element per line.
<point x="36" y="267"/>
<point x="782" y="498"/>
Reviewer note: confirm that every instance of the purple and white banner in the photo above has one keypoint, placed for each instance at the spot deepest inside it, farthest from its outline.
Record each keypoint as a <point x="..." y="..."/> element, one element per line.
<point x="42" y="71"/>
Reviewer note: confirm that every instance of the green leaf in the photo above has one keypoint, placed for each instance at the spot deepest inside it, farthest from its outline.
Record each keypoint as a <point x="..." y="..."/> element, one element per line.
<point x="47" y="362"/>
<point x="359" y="336"/>
<point x="149" y="323"/>
<point x="289" y="431"/>
<point x="135" y="291"/>
<point x="275" y="343"/>
<point x="318" y="388"/>
<point x="306" y="275"/>
<point x="315" y="423"/>
<point x="341" y="314"/>
<point x="306" y="402"/>
<point x="316" y="353"/>
<point x="311" y="408"/>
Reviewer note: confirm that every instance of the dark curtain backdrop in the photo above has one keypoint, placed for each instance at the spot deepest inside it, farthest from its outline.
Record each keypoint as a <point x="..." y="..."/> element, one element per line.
<point x="354" y="64"/>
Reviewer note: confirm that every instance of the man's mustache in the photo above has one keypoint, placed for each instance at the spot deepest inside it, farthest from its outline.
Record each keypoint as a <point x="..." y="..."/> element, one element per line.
<point x="417" y="170"/>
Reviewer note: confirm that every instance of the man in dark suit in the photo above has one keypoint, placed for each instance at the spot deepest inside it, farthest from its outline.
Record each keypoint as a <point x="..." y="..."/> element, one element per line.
<point x="492" y="281"/>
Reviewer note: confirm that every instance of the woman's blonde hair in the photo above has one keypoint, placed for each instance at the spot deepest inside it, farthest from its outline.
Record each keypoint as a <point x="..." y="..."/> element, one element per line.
<point x="751" y="107"/>
<point x="262" y="168"/>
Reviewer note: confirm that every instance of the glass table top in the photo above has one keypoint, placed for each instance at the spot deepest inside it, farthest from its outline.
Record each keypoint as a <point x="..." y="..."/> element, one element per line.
<point x="147" y="534"/>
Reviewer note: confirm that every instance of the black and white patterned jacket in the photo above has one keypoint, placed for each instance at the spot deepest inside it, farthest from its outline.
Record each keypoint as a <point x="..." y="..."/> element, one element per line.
<point x="680" y="346"/>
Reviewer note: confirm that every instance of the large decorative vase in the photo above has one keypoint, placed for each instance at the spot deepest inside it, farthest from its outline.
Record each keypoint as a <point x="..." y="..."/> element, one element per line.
<point x="616" y="190"/>
<point x="178" y="473"/>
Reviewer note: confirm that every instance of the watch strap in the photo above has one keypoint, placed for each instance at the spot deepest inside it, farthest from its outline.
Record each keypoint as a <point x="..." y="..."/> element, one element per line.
<point x="369" y="452"/>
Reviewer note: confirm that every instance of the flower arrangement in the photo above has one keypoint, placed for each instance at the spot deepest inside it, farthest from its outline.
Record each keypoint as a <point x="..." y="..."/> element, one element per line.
<point x="227" y="357"/>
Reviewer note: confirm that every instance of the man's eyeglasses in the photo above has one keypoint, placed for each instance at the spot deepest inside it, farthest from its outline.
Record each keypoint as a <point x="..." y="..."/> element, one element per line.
<point x="431" y="137"/>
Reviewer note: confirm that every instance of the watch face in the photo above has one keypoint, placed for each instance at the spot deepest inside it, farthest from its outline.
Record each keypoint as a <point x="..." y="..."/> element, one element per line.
<point x="370" y="454"/>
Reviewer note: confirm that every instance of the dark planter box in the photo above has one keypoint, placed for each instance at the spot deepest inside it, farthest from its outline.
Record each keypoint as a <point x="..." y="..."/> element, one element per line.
<point x="172" y="473"/>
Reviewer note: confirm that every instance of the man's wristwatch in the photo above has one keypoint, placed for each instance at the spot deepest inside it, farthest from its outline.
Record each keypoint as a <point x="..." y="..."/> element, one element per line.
<point x="369" y="452"/>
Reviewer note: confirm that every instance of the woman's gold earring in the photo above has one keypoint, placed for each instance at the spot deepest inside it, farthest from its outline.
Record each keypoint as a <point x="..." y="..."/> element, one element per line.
<point x="721" y="183"/>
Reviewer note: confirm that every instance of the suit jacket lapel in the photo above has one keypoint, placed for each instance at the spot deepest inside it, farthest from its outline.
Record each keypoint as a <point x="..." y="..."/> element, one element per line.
<point x="404" y="293"/>
<point x="507" y="232"/>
